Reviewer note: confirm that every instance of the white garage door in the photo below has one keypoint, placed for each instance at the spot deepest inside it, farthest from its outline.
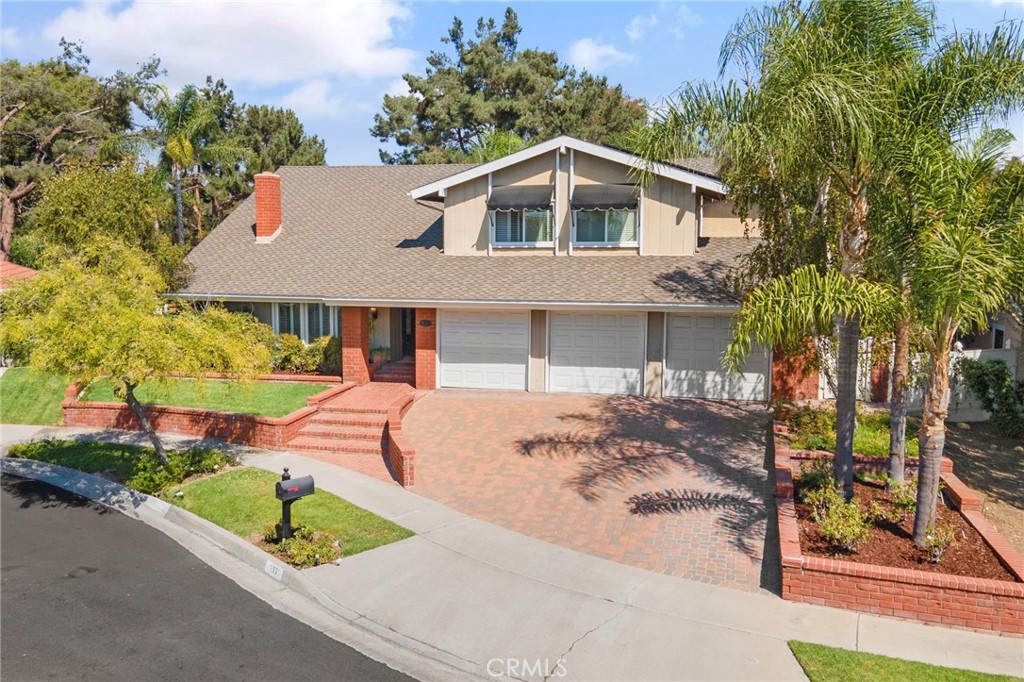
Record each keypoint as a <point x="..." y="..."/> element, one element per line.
<point x="693" y="362"/>
<point x="484" y="349"/>
<point x="597" y="352"/>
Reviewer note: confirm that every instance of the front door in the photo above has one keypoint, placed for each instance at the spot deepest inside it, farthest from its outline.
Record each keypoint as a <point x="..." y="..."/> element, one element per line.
<point x="408" y="331"/>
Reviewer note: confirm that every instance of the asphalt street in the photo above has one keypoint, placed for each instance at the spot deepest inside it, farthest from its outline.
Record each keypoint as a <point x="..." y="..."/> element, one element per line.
<point x="89" y="594"/>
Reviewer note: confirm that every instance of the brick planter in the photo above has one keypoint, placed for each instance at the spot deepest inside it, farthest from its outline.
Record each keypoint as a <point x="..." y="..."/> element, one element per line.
<point x="940" y="598"/>
<point x="247" y="429"/>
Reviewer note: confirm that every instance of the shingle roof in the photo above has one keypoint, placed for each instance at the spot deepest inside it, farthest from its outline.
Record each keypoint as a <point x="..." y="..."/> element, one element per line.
<point x="354" y="233"/>
<point x="705" y="165"/>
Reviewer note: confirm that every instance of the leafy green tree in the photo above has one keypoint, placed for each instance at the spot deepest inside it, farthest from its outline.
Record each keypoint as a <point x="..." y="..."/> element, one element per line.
<point x="828" y="90"/>
<point x="187" y="127"/>
<point x="52" y="113"/>
<point x="489" y="84"/>
<point x="274" y="137"/>
<point x="495" y="145"/>
<point x="121" y="203"/>
<point x="101" y="313"/>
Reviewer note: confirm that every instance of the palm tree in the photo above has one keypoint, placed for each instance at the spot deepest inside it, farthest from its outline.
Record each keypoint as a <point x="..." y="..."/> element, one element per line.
<point x="966" y="265"/>
<point x="826" y="91"/>
<point x="187" y="125"/>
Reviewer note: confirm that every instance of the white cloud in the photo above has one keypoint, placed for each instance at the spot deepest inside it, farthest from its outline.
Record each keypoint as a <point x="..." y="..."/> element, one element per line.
<point x="638" y="26"/>
<point x="682" y="19"/>
<point x="592" y="55"/>
<point x="10" y="40"/>
<point x="397" y="88"/>
<point x="313" y="99"/>
<point x="256" y="43"/>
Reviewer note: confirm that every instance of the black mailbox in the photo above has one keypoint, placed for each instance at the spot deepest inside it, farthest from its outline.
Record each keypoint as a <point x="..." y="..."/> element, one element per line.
<point x="294" y="488"/>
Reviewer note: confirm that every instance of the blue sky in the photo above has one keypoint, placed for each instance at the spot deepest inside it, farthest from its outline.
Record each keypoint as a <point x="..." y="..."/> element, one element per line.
<point x="332" y="62"/>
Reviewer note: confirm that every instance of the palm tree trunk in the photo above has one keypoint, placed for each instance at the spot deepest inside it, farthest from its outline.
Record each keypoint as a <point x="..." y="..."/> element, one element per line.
<point x="898" y="403"/>
<point x="177" y="204"/>
<point x="846" y="403"/>
<point x="932" y="438"/>
<point x="147" y="425"/>
<point x="198" y="209"/>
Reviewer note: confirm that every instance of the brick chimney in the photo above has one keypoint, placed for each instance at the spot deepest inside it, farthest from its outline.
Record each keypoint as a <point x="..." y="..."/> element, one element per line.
<point x="268" y="206"/>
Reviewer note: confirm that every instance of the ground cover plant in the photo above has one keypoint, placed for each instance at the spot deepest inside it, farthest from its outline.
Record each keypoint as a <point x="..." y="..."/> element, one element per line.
<point x="31" y="397"/>
<point x="242" y="501"/>
<point x="813" y="428"/>
<point x="135" y="466"/>
<point x="265" y="398"/>
<point x="829" y="664"/>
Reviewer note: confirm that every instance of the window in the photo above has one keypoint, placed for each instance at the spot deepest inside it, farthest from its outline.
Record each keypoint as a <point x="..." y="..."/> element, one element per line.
<point x="308" y="321"/>
<point x="998" y="336"/>
<point x="289" y="319"/>
<point x="522" y="227"/>
<point x="613" y="226"/>
<point x="318" y="321"/>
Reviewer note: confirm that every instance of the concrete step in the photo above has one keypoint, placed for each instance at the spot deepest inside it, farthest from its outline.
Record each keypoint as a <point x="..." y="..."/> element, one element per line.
<point x="343" y="432"/>
<point x="338" y="446"/>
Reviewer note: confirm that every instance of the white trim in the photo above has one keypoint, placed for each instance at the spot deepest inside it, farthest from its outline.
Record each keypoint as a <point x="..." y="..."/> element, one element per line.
<point x="491" y="215"/>
<point x="626" y="245"/>
<point x="495" y="244"/>
<point x="640" y="221"/>
<point x="607" y="153"/>
<point x="272" y="237"/>
<point x="708" y="308"/>
<point x="558" y="201"/>
<point x="304" y="322"/>
<point x="572" y="186"/>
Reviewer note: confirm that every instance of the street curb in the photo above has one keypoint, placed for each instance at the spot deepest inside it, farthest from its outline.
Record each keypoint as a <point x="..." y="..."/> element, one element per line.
<point x="430" y="663"/>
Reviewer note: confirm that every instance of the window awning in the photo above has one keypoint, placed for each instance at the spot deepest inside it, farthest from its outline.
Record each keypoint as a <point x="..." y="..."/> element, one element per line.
<point x="520" y="197"/>
<point x="603" y="197"/>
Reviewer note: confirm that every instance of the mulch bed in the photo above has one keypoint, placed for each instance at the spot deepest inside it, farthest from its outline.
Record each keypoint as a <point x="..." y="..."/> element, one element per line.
<point x="890" y="544"/>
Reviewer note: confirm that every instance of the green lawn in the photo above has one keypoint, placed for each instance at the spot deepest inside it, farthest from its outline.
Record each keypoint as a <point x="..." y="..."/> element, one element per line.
<point x="828" y="664"/>
<point x="135" y="466"/>
<point x="243" y="502"/>
<point x="266" y="398"/>
<point x="814" y="429"/>
<point x="30" y="397"/>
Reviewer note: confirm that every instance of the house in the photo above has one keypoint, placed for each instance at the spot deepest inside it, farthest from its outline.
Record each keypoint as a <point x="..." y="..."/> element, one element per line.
<point x="551" y="269"/>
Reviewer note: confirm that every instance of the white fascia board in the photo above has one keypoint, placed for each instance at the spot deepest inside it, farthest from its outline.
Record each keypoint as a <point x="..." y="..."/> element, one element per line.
<point x="697" y="308"/>
<point x="564" y="141"/>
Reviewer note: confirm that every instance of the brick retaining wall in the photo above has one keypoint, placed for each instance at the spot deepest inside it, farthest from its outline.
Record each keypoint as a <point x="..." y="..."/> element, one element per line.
<point x="400" y="451"/>
<point x="247" y="429"/>
<point x="940" y="598"/>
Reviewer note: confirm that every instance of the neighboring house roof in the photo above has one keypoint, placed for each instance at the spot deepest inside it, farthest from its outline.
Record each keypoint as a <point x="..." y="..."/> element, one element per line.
<point x="11" y="273"/>
<point x="705" y="165"/>
<point x="437" y="188"/>
<point x="354" y="234"/>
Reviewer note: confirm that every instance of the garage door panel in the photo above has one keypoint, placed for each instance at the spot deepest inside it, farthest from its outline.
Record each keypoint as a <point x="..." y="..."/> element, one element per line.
<point x="693" y="362"/>
<point x="484" y="349"/>
<point x="597" y="352"/>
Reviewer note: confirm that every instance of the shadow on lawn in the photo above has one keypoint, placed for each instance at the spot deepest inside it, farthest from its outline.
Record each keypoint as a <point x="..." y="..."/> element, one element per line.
<point x="626" y="440"/>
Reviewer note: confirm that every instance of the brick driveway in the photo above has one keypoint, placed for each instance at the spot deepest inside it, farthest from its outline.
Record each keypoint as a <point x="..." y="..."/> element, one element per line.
<point x="674" y="486"/>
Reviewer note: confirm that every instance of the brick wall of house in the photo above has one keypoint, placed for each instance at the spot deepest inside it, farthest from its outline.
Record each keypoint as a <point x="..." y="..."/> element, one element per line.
<point x="957" y="601"/>
<point x="426" y="348"/>
<point x="355" y="344"/>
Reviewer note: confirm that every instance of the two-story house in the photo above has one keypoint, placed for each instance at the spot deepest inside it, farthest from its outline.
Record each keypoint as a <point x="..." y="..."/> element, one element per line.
<point x="551" y="269"/>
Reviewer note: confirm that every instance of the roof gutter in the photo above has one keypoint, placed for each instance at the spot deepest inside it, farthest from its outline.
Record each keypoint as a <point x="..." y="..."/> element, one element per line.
<point x="709" y="308"/>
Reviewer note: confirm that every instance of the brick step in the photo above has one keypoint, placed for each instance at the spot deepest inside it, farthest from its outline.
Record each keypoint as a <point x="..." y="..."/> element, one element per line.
<point x="342" y="432"/>
<point x="338" y="446"/>
<point x="355" y="419"/>
<point x="354" y="412"/>
<point x="395" y="379"/>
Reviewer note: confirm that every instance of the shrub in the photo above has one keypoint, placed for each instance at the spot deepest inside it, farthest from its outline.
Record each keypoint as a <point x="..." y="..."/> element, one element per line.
<point x="904" y="496"/>
<point x="151" y="476"/>
<point x="842" y="523"/>
<point x="290" y="354"/>
<point x="814" y="477"/>
<point x="937" y="540"/>
<point x="307" y="548"/>
<point x="998" y="393"/>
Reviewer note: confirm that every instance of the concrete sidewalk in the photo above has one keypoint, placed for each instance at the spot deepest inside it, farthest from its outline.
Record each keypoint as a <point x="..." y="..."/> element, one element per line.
<point x="489" y="599"/>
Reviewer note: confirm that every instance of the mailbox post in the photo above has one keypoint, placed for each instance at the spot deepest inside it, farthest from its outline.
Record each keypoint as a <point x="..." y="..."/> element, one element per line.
<point x="288" y="490"/>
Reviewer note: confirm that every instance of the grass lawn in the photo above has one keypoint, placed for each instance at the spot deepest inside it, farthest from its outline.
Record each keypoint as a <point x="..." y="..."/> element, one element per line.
<point x="243" y="502"/>
<point x="30" y="397"/>
<point x="266" y="398"/>
<point x="135" y="466"/>
<point x="828" y="664"/>
<point x="814" y="429"/>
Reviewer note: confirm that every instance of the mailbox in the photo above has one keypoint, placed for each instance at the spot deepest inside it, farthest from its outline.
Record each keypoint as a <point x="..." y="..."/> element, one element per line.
<point x="294" y="488"/>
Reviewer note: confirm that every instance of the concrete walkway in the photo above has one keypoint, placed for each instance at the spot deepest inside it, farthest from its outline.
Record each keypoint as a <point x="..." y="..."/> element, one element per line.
<point x="483" y="598"/>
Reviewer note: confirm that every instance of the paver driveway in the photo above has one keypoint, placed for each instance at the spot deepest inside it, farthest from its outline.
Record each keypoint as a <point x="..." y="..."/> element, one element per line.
<point x="674" y="486"/>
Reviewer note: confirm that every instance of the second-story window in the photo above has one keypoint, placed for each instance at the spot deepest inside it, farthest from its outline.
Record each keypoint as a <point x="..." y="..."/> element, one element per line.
<point x="522" y="227"/>
<point x="606" y="226"/>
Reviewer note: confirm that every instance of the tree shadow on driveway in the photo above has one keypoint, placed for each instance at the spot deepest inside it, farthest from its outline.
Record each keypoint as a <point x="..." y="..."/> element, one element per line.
<point x="628" y="440"/>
